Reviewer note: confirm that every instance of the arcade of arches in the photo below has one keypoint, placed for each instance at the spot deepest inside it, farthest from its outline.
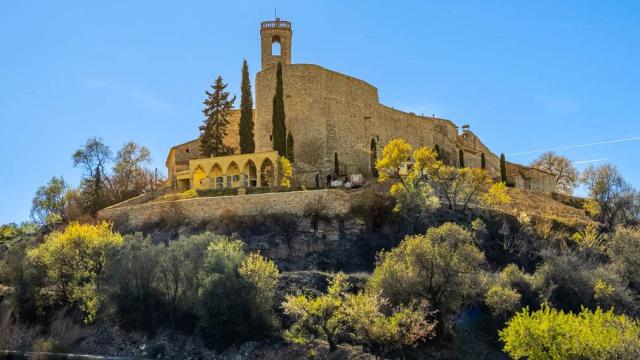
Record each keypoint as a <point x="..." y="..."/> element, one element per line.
<point x="230" y="172"/>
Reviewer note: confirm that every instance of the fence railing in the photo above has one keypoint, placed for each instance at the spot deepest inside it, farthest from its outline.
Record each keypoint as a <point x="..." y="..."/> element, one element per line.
<point x="277" y="24"/>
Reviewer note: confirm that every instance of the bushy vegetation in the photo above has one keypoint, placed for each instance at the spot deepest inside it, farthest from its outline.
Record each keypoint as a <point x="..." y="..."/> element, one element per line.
<point x="444" y="267"/>
<point x="366" y="318"/>
<point x="204" y="283"/>
<point x="553" y="334"/>
<point x="535" y="288"/>
<point x="73" y="261"/>
<point x="420" y="180"/>
<point x="100" y="186"/>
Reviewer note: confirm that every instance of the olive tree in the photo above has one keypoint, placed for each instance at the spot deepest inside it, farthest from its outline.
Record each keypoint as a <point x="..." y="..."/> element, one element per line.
<point x="444" y="267"/>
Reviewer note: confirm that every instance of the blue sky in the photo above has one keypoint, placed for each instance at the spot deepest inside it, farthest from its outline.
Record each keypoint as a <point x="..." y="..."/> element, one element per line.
<point x="526" y="75"/>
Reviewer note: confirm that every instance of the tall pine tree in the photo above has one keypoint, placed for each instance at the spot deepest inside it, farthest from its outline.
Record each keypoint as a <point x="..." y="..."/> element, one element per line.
<point x="214" y="129"/>
<point x="247" y="143"/>
<point x="279" y="129"/>
<point x="461" y="158"/>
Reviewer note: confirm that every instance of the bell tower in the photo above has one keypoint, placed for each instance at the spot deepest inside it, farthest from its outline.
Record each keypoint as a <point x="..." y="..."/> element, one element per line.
<point x="275" y="39"/>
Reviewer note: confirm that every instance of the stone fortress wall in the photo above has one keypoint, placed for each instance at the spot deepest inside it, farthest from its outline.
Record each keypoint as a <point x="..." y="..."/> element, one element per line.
<point x="329" y="114"/>
<point x="337" y="202"/>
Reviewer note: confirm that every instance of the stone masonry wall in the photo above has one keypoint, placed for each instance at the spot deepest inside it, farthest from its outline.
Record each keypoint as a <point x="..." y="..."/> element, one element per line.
<point x="328" y="112"/>
<point x="180" y="155"/>
<point x="331" y="113"/>
<point x="208" y="208"/>
<point x="524" y="177"/>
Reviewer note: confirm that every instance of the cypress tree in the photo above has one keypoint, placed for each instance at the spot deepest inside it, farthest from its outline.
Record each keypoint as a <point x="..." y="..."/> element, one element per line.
<point x="336" y="164"/>
<point x="290" y="155"/>
<point x="437" y="150"/>
<point x="213" y="131"/>
<point x="503" y="169"/>
<point x="461" y="158"/>
<point x="374" y="158"/>
<point x="247" y="143"/>
<point x="279" y="129"/>
<point x="483" y="162"/>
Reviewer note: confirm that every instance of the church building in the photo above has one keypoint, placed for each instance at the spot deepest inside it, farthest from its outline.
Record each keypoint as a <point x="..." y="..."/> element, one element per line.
<point x="332" y="117"/>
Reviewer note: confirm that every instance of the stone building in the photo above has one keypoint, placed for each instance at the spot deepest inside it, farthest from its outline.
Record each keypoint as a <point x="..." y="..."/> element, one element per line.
<point x="336" y="116"/>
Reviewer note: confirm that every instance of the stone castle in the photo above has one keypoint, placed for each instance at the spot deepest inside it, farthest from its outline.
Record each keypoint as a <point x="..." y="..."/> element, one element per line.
<point x="331" y="116"/>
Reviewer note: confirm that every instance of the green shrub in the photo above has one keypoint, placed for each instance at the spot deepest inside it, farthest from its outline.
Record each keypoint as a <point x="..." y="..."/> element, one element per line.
<point x="565" y="282"/>
<point x="319" y="317"/>
<point x="217" y="192"/>
<point x="502" y="300"/>
<point x="444" y="267"/>
<point x="236" y="296"/>
<point x="26" y="280"/>
<point x="624" y="251"/>
<point x="552" y="334"/>
<point x="382" y="330"/>
<point x="134" y="284"/>
<point x="512" y="277"/>
<point x="180" y="262"/>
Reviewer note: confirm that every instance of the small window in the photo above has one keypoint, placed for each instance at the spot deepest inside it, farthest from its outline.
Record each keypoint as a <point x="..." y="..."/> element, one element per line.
<point x="186" y="150"/>
<point x="275" y="46"/>
<point x="236" y="178"/>
<point x="270" y="137"/>
<point x="219" y="182"/>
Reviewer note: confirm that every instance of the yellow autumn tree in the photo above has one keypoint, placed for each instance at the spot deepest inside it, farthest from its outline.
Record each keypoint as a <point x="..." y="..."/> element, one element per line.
<point x="394" y="155"/>
<point x="496" y="195"/>
<point x="421" y="179"/>
<point x="414" y="196"/>
<point x="73" y="260"/>
<point x="285" y="172"/>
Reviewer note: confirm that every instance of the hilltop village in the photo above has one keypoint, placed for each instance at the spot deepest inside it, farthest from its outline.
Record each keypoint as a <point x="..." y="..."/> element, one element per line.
<point x="337" y="122"/>
<point x="322" y="224"/>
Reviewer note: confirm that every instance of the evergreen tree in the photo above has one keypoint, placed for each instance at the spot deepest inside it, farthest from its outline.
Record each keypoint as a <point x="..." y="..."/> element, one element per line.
<point x="483" y="162"/>
<point x="336" y="164"/>
<point x="247" y="143"/>
<point x="290" y="155"/>
<point x="214" y="128"/>
<point x="374" y="158"/>
<point x="503" y="169"/>
<point x="279" y="129"/>
<point x="461" y="158"/>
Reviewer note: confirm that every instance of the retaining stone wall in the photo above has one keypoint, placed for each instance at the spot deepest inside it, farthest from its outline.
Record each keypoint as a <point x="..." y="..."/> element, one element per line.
<point x="207" y="208"/>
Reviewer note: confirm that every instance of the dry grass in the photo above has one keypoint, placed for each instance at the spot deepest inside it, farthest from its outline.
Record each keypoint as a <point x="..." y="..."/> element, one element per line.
<point x="542" y="205"/>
